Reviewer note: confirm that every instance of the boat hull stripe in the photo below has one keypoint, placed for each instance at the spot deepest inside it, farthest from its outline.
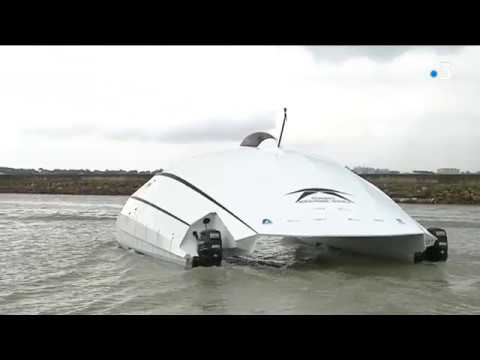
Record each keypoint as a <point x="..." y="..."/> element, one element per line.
<point x="160" y="209"/>
<point x="193" y="187"/>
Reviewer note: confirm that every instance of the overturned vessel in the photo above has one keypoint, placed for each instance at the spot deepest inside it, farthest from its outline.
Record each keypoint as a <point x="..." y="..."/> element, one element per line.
<point x="228" y="201"/>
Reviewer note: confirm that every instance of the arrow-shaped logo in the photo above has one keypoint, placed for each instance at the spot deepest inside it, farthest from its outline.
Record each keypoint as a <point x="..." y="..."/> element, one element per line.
<point x="311" y="191"/>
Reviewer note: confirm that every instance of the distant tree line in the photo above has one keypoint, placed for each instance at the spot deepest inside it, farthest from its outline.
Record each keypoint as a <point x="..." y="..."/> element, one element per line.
<point x="41" y="171"/>
<point x="364" y="170"/>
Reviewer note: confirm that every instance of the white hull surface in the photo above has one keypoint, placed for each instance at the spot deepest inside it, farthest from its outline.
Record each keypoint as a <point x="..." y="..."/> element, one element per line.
<point x="254" y="192"/>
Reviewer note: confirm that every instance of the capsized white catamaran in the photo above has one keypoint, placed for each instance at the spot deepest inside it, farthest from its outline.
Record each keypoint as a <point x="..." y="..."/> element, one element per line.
<point x="193" y="212"/>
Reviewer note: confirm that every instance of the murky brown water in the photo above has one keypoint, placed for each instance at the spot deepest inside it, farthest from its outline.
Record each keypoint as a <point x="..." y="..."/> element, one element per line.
<point x="58" y="255"/>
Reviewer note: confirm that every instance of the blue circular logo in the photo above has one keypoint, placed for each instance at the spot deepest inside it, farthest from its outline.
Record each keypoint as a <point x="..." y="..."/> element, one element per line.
<point x="433" y="73"/>
<point x="266" y="221"/>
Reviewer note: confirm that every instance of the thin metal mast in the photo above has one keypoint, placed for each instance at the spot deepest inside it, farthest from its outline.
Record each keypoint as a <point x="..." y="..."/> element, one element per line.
<point x="283" y="125"/>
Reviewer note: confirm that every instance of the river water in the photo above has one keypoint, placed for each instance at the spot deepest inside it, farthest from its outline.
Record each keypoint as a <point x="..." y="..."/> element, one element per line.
<point x="58" y="255"/>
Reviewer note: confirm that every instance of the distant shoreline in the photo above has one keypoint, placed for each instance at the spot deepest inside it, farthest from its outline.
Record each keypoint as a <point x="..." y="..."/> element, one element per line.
<point x="461" y="189"/>
<point x="65" y="184"/>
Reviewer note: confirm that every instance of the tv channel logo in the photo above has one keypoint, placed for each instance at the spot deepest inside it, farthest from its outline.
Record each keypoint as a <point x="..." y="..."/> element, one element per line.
<point x="442" y="70"/>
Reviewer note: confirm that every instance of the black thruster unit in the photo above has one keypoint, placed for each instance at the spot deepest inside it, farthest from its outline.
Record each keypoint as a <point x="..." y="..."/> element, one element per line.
<point x="438" y="251"/>
<point x="209" y="247"/>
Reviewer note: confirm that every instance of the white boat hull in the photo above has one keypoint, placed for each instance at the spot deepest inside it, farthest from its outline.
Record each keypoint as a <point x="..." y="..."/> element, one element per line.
<point x="402" y="247"/>
<point x="254" y="193"/>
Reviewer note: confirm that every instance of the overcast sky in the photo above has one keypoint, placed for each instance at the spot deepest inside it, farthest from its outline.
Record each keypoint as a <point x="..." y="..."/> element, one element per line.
<point x="141" y="107"/>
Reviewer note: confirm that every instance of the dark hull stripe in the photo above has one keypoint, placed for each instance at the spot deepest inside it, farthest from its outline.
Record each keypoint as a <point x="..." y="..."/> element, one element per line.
<point x="160" y="209"/>
<point x="193" y="187"/>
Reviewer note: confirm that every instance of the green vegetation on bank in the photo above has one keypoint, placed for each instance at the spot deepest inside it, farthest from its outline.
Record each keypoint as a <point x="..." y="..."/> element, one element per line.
<point x="72" y="184"/>
<point x="429" y="189"/>
<point x="403" y="188"/>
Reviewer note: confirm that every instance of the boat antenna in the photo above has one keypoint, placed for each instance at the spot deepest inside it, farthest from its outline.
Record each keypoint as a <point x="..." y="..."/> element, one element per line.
<point x="283" y="126"/>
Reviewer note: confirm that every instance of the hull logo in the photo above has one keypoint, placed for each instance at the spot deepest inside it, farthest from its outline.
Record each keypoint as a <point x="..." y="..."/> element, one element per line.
<point x="312" y="195"/>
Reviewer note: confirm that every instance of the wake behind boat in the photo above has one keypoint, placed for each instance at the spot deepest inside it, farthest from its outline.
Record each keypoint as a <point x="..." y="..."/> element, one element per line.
<point x="228" y="201"/>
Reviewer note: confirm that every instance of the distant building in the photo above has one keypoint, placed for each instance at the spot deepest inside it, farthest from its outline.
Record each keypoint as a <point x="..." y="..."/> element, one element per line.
<point x="423" y="172"/>
<point x="363" y="170"/>
<point x="448" y="171"/>
<point x="387" y="171"/>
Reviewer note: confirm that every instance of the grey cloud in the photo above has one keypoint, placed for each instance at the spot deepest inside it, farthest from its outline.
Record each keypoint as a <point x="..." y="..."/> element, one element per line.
<point x="436" y="140"/>
<point x="213" y="130"/>
<point x="64" y="132"/>
<point x="205" y="131"/>
<point x="376" y="53"/>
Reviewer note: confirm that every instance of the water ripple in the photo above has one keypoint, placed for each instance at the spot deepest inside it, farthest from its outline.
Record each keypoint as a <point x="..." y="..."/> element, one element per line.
<point x="58" y="255"/>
